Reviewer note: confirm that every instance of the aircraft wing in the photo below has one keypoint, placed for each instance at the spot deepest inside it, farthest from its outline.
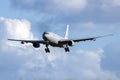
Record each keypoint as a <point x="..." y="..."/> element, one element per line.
<point x="29" y="41"/>
<point x="84" y="39"/>
<point x="90" y="38"/>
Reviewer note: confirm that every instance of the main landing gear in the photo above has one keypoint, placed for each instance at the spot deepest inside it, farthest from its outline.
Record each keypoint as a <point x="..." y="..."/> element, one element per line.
<point x="47" y="50"/>
<point x="67" y="49"/>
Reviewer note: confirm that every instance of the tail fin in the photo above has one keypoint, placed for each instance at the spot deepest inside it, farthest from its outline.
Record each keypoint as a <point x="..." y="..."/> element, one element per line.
<point x="67" y="32"/>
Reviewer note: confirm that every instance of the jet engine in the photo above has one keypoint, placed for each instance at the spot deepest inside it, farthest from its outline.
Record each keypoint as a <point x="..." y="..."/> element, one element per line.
<point x="36" y="45"/>
<point x="71" y="43"/>
<point x="22" y="42"/>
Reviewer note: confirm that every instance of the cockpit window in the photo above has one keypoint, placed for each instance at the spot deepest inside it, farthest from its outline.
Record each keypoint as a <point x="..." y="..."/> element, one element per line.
<point x="46" y="33"/>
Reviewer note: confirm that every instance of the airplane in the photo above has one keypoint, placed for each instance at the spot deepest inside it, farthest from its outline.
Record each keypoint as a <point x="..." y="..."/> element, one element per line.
<point x="54" y="40"/>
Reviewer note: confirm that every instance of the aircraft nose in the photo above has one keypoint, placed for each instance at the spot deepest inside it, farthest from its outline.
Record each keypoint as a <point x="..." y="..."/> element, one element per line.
<point x="44" y="35"/>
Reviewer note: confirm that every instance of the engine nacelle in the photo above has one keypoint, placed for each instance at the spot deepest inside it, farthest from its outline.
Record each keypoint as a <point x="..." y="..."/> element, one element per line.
<point x="22" y="42"/>
<point x="36" y="45"/>
<point x="71" y="43"/>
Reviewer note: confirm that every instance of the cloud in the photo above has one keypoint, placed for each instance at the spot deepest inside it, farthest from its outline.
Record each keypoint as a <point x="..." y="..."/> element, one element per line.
<point x="92" y="27"/>
<point x="56" y="6"/>
<point x="25" y="62"/>
<point x="19" y="29"/>
<point x="83" y="65"/>
<point x="112" y="3"/>
<point x="111" y="58"/>
<point x="111" y="7"/>
<point x="71" y="6"/>
<point x="74" y="11"/>
<point x="116" y="2"/>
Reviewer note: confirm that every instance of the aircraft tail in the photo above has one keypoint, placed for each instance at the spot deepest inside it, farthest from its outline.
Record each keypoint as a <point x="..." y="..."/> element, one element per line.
<point x="67" y="32"/>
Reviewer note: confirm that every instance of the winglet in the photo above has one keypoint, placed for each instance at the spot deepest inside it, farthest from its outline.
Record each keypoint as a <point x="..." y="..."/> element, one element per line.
<point x="67" y="32"/>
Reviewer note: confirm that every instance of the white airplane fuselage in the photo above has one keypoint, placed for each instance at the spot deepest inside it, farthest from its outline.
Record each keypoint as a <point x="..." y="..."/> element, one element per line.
<point x="53" y="39"/>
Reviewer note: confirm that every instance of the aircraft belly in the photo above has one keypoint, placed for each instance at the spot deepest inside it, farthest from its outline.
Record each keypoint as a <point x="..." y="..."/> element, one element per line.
<point x="55" y="45"/>
<point x="53" y="40"/>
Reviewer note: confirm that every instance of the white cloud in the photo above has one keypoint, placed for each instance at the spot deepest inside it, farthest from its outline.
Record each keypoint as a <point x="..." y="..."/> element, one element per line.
<point x="15" y="29"/>
<point x="19" y="29"/>
<point x="83" y="65"/>
<point x="57" y="65"/>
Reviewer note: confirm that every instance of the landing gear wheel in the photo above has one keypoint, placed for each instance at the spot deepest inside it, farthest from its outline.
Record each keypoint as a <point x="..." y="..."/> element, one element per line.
<point x="47" y="50"/>
<point x="67" y="49"/>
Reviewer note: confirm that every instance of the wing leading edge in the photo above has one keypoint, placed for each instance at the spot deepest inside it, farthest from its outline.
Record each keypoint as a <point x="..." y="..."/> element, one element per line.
<point x="84" y="39"/>
<point x="29" y="41"/>
<point x="90" y="38"/>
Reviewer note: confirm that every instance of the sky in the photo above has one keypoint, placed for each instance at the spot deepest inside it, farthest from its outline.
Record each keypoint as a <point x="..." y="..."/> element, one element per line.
<point x="91" y="60"/>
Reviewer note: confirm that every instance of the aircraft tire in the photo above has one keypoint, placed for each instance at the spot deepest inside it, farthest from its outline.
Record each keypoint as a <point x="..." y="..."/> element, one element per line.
<point x="47" y="50"/>
<point x="67" y="49"/>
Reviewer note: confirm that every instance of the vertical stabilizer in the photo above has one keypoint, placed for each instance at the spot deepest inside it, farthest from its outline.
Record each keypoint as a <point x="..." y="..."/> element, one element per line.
<point x="67" y="32"/>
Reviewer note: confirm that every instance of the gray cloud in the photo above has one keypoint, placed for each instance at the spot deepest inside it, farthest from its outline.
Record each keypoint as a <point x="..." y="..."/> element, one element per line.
<point x="53" y="6"/>
<point x="49" y="17"/>
<point x="65" y="12"/>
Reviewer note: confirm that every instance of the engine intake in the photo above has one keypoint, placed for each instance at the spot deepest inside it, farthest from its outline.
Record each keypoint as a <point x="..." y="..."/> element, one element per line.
<point x="22" y="42"/>
<point x="36" y="45"/>
<point x="71" y="43"/>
